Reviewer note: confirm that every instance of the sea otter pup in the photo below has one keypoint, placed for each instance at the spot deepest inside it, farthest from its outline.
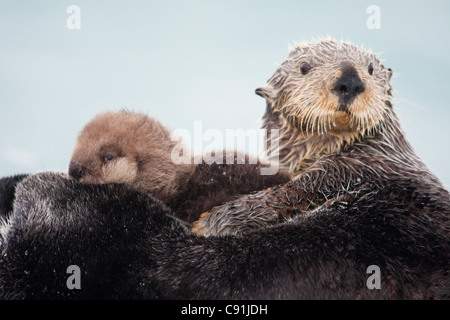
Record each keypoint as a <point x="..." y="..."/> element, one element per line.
<point x="135" y="149"/>
<point x="339" y="138"/>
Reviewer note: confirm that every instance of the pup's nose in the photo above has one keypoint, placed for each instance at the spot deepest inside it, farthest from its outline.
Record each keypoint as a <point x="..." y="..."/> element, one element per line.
<point x="76" y="171"/>
<point x="348" y="86"/>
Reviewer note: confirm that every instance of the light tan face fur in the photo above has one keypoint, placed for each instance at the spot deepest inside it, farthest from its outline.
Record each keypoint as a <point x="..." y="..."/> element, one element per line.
<point x="124" y="147"/>
<point x="311" y="119"/>
<point x="309" y="98"/>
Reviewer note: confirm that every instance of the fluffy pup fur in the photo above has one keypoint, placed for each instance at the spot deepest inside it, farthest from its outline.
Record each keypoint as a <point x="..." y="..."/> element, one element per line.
<point x="133" y="148"/>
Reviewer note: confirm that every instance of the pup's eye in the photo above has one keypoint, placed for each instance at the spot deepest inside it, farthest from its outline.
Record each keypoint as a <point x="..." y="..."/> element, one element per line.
<point x="370" y="69"/>
<point x="305" y="67"/>
<point x="108" y="158"/>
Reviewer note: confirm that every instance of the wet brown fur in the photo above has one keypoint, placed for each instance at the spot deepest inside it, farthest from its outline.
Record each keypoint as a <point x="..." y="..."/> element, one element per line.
<point x="333" y="156"/>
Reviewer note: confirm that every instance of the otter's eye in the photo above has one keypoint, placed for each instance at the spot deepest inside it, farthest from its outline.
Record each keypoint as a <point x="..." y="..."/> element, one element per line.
<point x="108" y="158"/>
<point x="305" y="67"/>
<point x="370" y="69"/>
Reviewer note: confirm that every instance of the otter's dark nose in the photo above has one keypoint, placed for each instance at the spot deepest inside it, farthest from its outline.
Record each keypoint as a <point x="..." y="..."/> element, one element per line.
<point x="347" y="87"/>
<point x="76" y="171"/>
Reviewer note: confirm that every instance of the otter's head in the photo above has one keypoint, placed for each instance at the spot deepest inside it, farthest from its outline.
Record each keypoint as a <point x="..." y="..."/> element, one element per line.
<point x="123" y="147"/>
<point x="329" y="92"/>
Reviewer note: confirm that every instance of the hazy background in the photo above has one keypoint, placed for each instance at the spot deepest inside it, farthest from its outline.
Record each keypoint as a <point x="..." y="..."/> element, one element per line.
<point x="182" y="61"/>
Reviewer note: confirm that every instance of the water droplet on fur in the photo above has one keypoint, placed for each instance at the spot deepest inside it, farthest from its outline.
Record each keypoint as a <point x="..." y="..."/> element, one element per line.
<point x="26" y="252"/>
<point x="26" y="272"/>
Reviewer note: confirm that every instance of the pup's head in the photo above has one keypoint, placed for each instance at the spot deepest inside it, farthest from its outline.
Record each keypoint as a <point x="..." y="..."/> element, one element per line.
<point x="330" y="87"/>
<point x="123" y="147"/>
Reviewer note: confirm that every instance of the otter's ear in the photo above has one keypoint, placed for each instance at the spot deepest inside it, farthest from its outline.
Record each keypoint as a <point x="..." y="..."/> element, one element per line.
<point x="267" y="92"/>
<point x="390" y="72"/>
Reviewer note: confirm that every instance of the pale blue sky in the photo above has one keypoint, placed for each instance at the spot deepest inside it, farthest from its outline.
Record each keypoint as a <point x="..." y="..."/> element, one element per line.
<point x="184" y="61"/>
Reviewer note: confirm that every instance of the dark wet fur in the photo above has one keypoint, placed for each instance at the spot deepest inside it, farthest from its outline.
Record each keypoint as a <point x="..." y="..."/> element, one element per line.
<point x="128" y="247"/>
